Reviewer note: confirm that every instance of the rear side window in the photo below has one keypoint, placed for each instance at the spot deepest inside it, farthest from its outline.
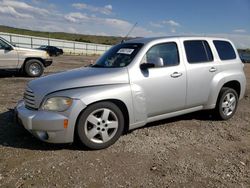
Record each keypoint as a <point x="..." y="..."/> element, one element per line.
<point x="224" y="49"/>
<point x="198" y="51"/>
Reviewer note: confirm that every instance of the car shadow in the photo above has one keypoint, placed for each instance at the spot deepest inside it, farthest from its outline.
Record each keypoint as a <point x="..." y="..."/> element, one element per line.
<point x="15" y="135"/>
<point x="10" y="73"/>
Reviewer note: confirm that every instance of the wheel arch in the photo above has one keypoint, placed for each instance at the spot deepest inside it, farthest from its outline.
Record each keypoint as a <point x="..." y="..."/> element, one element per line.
<point x="120" y="104"/>
<point x="30" y="58"/>
<point x="234" y="84"/>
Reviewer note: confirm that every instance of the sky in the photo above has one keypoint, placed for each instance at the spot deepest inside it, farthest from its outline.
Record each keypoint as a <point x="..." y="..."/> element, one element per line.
<point x="223" y="18"/>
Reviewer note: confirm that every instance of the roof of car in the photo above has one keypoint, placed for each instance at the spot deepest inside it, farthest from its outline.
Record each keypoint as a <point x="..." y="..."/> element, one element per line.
<point x="147" y="40"/>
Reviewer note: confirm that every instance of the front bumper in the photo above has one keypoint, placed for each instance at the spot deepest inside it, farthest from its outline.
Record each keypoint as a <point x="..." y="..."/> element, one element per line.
<point x="47" y="62"/>
<point x="50" y="126"/>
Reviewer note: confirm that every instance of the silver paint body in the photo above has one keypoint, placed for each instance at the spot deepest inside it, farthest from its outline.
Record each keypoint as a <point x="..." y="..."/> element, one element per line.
<point x="148" y="95"/>
<point x="14" y="59"/>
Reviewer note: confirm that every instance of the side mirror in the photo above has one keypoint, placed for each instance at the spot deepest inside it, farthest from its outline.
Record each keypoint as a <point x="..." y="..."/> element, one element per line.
<point x="158" y="62"/>
<point x="153" y="62"/>
<point x="145" y="66"/>
<point x="8" y="48"/>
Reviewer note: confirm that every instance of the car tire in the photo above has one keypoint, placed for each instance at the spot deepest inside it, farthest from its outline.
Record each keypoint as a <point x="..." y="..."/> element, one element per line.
<point x="100" y="125"/>
<point x="227" y="103"/>
<point x="34" y="68"/>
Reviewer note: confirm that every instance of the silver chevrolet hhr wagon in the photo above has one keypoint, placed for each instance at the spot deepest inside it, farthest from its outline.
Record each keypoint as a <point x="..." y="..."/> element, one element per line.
<point x="134" y="83"/>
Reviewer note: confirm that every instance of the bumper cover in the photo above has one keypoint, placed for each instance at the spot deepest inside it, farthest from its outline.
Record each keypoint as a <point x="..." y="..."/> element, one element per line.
<point x="48" y="126"/>
<point x="47" y="62"/>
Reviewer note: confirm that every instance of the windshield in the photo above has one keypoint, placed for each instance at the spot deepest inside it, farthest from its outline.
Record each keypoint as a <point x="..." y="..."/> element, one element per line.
<point x="5" y="41"/>
<point x="119" y="56"/>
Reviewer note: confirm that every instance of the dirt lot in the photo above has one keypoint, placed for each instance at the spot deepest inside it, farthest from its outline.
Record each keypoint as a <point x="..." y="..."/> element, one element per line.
<point x="187" y="151"/>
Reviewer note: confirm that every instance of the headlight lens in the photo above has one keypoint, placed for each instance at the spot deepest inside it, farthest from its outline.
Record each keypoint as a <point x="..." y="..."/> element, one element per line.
<point x="57" y="104"/>
<point x="47" y="55"/>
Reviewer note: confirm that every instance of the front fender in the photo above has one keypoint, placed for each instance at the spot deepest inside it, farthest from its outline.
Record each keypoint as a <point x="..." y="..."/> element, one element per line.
<point x="92" y="94"/>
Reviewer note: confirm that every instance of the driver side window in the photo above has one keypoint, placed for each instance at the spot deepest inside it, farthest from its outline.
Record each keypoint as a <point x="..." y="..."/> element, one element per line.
<point x="168" y="52"/>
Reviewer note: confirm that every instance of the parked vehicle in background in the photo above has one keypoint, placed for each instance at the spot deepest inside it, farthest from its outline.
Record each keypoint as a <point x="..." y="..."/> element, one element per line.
<point x="134" y="83"/>
<point x="29" y="61"/>
<point x="245" y="57"/>
<point x="52" y="50"/>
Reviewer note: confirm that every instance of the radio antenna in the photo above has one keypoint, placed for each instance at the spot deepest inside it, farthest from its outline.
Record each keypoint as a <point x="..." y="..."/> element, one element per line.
<point x="132" y="28"/>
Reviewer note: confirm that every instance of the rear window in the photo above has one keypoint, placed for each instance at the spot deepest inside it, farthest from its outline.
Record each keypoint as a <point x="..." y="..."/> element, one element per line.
<point x="198" y="51"/>
<point x="225" y="50"/>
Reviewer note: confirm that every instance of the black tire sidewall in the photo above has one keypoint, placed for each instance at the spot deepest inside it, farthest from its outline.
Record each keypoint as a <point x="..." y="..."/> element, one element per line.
<point x="224" y="91"/>
<point x="81" y="125"/>
<point x="29" y="63"/>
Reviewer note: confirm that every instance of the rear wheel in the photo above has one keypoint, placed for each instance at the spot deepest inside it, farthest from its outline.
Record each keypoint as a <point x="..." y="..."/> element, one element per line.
<point x="34" y="68"/>
<point x="227" y="103"/>
<point x="100" y="125"/>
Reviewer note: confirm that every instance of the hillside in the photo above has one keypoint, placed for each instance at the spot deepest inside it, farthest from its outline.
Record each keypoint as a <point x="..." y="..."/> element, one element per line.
<point x="109" y="40"/>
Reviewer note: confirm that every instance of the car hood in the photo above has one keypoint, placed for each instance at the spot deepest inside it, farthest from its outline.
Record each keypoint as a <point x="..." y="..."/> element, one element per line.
<point x="28" y="49"/>
<point x="76" y="78"/>
<point x="28" y="52"/>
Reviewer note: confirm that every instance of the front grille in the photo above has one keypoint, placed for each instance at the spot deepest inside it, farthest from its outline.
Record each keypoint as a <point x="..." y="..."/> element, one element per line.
<point x="29" y="99"/>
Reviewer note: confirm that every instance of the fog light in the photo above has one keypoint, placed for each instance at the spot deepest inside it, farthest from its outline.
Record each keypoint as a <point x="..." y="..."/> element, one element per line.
<point x="42" y="135"/>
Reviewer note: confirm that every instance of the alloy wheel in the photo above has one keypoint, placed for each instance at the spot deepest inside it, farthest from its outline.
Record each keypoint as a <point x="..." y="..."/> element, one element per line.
<point x="101" y="125"/>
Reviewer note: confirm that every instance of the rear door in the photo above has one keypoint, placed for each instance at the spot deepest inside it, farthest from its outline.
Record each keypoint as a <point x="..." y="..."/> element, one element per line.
<point x="201" y="68"/>
<point x="8" y="56"/>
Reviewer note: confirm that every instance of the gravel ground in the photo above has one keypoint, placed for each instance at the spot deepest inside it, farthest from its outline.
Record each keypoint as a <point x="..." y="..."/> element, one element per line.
<point x="187" y="151"/>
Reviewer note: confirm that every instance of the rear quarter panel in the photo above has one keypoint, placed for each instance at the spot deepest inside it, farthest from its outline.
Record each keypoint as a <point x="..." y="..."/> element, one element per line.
<point x="232" y="71"/>
<point x="229" y="70"/>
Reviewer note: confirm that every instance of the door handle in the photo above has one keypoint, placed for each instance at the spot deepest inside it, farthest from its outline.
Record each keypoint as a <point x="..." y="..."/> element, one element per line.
<point x="176" y="74"/>
<point x="212" y="69"/>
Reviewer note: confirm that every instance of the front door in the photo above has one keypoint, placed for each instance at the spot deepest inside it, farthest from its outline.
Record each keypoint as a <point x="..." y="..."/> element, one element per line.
<point x="8" y="56"/>
<point x="164" y="87"/>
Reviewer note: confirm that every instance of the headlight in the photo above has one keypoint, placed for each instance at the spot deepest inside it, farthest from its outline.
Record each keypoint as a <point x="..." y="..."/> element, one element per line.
<point x="47" y="54"/>
<point x="57" y="104"/>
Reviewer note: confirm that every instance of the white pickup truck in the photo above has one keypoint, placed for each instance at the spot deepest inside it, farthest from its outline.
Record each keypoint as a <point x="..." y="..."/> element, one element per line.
<point x="29" y="61"/>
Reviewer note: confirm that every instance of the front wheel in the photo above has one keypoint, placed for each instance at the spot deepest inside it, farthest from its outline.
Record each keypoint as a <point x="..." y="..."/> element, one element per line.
<point x="100" y="125"/>
<point x="227" y="103"/>
<point x="34" y="68"/>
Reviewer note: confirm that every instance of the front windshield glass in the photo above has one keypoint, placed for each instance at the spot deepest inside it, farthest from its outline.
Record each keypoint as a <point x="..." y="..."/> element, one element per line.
<point x="119" y="56"/>
<point x="5" y="42"/>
